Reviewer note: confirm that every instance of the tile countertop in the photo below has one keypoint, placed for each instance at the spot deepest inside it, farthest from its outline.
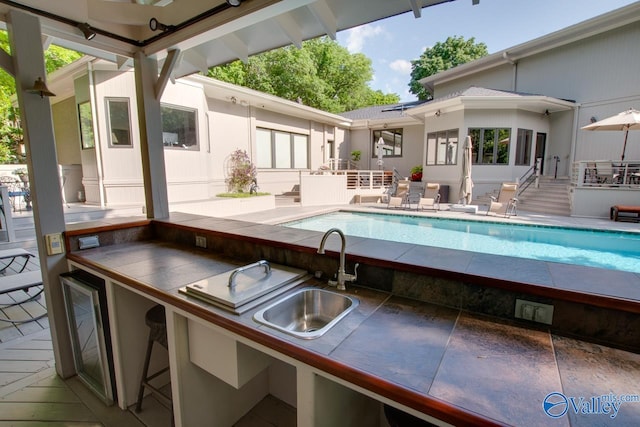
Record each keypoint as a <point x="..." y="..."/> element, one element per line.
<point x="460" y="362"/>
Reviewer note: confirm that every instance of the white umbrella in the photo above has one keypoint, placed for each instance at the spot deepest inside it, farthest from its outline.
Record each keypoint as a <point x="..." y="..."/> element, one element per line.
<point x="466" y="184"/>
<point x="380" y="147"/>
<point x="627" y="120"/>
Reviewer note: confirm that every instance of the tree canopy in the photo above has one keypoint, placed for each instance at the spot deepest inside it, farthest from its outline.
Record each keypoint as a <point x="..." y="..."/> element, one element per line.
<point x="10" y="130"/>
<point x="321" y="74"/>
<point x="443" y="55"/>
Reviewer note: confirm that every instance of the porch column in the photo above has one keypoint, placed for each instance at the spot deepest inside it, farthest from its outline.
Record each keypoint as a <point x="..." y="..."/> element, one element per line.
<point x="42" y="162"/>
<point x="149" y="117"/>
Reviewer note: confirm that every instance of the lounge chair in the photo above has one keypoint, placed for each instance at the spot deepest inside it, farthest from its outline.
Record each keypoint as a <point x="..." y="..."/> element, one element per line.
<point x="506" y="202"/>
<point x="21" y="281"/>
<point x="430" y="198"/>
<point x="399" y="198"/>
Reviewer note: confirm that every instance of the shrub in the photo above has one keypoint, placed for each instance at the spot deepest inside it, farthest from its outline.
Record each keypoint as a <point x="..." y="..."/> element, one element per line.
<point x="242" y="172"/>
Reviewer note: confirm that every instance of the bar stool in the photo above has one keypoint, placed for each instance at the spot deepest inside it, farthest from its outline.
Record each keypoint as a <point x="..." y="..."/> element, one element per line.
<point x="157" y="323"/>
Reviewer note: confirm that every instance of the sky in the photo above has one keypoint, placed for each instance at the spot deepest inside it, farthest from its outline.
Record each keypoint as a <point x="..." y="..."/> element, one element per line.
<point x="393" y="42"/>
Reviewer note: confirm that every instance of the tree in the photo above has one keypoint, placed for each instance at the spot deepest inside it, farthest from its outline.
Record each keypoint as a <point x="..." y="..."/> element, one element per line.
<point x="443" y="55"/>
<point x="10" y="129"/>
<point x="321" y="74"/>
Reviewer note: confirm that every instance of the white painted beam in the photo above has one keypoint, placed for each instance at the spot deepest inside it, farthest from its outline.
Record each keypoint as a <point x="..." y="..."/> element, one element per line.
<point x="151" y="147"/>
<point x="165" y="73"/>
<point x="291" y="29"/>
<point x="42" y="163"/>
<point x="195" y="58"/>
<point x="325" y="17"/>
<point x="417" y="12"/>
<point x="237" y="46"/>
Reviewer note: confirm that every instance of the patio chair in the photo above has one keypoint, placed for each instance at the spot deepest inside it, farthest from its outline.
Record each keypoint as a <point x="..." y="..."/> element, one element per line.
<point x="506" y="202"/>
<point x="430" y="198"/>
<point x="20" y="281"/>
<point x="399" y="198"/>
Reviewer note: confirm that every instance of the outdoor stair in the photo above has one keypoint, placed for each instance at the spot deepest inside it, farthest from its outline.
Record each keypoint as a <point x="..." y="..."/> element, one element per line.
<point x="551" y="197"/>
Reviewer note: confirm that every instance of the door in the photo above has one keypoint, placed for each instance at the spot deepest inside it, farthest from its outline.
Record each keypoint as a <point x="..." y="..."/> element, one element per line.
<point x="541" y="142"/>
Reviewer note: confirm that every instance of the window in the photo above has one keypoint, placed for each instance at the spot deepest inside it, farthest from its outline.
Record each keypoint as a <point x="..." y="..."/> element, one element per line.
<point x="179" y="128"/>
<point x="85" y="117"/>
<point x="392" y="142"/>
<point x="281" y="150"/>
<point x="523" y="147"/>
<point x="119" y="124"/>
<point x="442" y="147"/>
<point x="490" y="146"/>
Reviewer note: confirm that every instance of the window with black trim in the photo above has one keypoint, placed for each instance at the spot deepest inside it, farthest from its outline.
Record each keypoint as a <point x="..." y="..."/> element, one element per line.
<point x="179" y="127"/>
<point x="524" y="146"/>
<point x="119" y="123"/>
<point x="490" y="145"/>
<point x="442" y="147"/>
<point x="392" y="142"/>
<point x="281" y="150"/>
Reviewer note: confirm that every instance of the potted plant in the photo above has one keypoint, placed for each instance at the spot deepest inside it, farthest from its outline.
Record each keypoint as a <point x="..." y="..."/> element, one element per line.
<point x="355" y="155"/>
<point x="22" y="174"/>
<point x="416" y="173"/>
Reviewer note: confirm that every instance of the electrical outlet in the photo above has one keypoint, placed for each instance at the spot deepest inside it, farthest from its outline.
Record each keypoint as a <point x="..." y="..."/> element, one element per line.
<point x="201" y="241"/>
<point x="534" y="311"/>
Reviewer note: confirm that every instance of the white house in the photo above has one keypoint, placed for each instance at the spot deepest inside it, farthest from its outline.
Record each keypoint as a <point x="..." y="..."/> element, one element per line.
<point x="204" y="121"/>
<point x="523" y="103"/>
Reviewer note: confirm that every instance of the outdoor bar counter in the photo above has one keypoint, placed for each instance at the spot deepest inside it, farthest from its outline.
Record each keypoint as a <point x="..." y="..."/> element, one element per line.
<point x="441" y="344"/>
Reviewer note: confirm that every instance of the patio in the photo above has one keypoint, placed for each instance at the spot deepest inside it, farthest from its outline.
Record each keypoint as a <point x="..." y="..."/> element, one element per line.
<point x="30" y="389"/>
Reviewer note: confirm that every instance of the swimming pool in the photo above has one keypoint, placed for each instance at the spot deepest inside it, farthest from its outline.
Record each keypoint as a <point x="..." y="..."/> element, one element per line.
<point x="594" y="248"/>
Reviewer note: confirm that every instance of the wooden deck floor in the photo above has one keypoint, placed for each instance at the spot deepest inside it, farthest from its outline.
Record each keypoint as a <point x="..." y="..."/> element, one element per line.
<point x="32" y="394"/>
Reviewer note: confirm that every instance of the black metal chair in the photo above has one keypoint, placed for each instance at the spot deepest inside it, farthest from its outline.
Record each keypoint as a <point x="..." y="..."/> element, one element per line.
<point x="157" y="323"/>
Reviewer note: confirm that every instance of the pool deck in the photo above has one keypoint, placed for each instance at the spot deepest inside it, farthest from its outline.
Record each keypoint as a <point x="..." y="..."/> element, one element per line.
<point x="617" y="286"/>
<point x="36" y="372"/>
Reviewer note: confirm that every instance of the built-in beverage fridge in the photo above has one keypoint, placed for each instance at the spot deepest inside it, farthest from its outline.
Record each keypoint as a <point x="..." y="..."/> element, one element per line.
<point x="87" y="315"/>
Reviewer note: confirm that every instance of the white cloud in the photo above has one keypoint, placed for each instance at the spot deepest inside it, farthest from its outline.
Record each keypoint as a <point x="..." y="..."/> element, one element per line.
<point x="357" y="36"/>
<point x="401" y="66"/>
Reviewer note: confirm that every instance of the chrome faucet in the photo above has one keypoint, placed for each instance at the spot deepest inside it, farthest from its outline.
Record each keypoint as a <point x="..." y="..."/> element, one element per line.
<point x="342" y="275"/>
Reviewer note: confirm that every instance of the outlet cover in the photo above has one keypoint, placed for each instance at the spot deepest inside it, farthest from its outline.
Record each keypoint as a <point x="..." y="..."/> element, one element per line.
<point x="534" y="311"/>
<point x="201" y="241"/>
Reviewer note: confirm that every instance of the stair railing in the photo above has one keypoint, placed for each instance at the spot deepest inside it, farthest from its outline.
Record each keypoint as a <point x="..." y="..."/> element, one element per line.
<point x="529" y="177"/>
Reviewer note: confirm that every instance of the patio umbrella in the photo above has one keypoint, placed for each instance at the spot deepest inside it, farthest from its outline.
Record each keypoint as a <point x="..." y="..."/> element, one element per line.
<point x="627" y="120"/>
<point x="380" y="147"/>
<point x="466" y="184"/>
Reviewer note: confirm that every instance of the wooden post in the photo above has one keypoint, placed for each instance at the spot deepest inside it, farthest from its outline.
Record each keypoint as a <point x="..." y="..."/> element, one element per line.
<point x="42" y="163"/>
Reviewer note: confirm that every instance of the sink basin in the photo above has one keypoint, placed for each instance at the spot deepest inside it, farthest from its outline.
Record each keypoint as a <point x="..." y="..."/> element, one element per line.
<point x="307" y="313"/>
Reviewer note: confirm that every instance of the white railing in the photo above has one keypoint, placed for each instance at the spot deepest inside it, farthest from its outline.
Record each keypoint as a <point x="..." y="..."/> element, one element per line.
<point x="365" y="179"/>
<point x="606" y="173"/>
<point x="341" y="164"/>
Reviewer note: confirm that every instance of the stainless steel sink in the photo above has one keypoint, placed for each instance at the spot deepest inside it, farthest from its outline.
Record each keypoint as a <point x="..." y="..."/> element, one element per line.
<point x="307" y="313"/>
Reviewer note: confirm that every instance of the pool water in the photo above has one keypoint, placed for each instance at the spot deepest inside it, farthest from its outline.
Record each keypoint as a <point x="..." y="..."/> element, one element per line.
<point x="594" y="248"/>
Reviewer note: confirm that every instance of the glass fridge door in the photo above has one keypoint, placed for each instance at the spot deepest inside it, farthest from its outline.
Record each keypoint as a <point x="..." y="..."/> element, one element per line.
<point x="87" y="337"/>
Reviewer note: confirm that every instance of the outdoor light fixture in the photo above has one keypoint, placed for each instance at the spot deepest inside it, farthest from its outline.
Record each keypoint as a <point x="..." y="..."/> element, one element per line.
<point x="437" y="113"/>
<point x="155" y="25"/>
<point x="234" y="3"/>
<point x="593" y="119"/>
<point x="40" y="88"/>
<point x="86" y="30"/>
<point x="547" y="113"/>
